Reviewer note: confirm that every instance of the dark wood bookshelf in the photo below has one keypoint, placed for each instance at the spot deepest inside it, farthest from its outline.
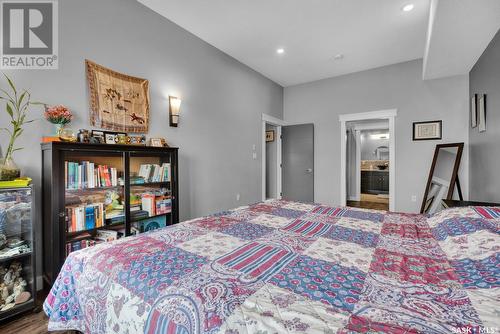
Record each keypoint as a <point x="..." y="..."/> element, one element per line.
<point x="56" y="197"/>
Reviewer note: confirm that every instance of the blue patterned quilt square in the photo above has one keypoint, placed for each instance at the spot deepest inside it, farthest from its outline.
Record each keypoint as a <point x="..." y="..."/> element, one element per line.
<point x="364" y="238"/>
<point x="484" y="274"/>
<point x="364" y="215"/>
<point x="247" y="231"/>
<point x="287" y="213"/>
<point x="461" y="226"/>
<point x="329" y="283"/>
<point x="150" y="275"/>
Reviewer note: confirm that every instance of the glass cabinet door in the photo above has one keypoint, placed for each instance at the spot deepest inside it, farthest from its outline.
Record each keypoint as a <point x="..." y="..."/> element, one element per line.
<point x="16" y="246"/>
<point x="150" y="191"/>
<point x="94" y="200"/>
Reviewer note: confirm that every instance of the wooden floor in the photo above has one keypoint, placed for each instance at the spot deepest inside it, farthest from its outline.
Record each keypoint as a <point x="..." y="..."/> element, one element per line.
<point x="370" y="202"/>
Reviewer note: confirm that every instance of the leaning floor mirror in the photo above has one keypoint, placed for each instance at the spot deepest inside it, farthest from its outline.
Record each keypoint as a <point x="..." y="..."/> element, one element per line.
<point x="443" y="177"/>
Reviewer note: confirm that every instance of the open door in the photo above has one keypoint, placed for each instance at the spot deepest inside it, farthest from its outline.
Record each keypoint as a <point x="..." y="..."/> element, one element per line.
<point x="298" y="162"/>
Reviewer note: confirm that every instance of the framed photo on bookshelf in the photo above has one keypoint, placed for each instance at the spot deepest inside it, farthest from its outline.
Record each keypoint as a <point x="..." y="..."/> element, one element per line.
<point x="156" y="142"/>
<point x="98" y="137"/>
<point x="115" y="137"/>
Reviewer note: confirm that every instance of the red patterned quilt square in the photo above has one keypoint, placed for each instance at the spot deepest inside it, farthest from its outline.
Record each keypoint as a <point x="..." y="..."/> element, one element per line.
<point x="416" y="269"/>
<point x="406" y="231"/>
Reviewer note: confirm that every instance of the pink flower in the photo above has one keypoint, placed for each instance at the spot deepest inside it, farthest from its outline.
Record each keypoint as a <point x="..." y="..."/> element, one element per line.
<point x="58" y="114"/>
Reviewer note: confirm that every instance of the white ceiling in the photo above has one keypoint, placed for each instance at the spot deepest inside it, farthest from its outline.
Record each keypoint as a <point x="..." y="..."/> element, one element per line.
<point x="458" y="34"/>
<point x="369" y="33"/>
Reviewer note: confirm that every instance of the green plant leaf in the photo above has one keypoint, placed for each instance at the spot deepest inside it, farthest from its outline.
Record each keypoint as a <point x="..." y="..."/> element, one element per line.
<point x="10" y="83"/>
<point x="20" y="101"/>
<point x="9" y="110"/>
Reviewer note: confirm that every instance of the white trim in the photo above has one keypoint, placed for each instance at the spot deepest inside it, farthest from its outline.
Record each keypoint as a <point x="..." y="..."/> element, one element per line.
<point x="273" y="120"/>
<point x="268" y="119"/>
<point x="357" y="195"/>
<point x="368" y="115"/>
<point x="389" y="114"/>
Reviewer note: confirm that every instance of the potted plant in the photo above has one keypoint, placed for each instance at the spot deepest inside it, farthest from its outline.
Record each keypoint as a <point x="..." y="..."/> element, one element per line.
<point x="17" y="105"/>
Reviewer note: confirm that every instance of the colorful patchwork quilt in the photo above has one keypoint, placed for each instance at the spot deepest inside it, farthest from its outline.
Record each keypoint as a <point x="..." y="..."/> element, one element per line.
<point x="287" y="267"/>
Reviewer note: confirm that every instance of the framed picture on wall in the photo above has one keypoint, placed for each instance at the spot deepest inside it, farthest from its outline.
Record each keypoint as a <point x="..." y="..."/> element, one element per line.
<point x="269" y="136"/>
<point x="473" y="111"/>
<point x="428" y="130"/>
<point x="482" y="113"/>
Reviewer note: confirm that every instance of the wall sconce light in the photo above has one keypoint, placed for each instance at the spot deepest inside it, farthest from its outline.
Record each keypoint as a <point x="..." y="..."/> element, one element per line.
<point x="173" y="110"/>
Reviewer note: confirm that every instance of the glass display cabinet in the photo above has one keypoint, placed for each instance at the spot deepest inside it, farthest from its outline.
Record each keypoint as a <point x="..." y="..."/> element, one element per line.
<point x="17" y="256"/>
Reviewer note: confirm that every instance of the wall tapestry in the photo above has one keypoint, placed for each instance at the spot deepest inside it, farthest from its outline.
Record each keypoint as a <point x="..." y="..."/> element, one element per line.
<point x="118" y="102"/>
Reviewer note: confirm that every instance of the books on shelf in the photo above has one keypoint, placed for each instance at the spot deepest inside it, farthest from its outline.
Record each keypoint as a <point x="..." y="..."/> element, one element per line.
<point x="154" y="173"/>
<point x="89" y="241"/>
<point x="80" y="244"/>
<point x="85" y="217"/>
<point x="86" y="174"/>
<point x="156" y="205"/>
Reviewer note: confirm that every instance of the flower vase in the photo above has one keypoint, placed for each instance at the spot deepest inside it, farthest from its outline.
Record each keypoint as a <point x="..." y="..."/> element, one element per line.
<point x="59" y="129"/>
<point x="9" y="170"/>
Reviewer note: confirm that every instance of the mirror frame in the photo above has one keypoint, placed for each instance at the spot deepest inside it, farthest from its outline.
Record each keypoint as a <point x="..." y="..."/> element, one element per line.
<point x="454" y="177"/>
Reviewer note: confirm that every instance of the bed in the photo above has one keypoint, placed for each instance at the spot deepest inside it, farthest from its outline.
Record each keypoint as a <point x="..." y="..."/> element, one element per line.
<point x="287" y="267"/>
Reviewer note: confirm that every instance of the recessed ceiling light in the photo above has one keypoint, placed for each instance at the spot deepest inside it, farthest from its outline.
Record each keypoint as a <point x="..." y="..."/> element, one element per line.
<point x="338" y="57"/>
<point x="280" y="51"/>
<point x="408" y="7"/>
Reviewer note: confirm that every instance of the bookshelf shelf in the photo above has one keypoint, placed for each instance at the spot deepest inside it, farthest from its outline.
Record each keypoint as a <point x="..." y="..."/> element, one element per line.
<point x="80" y="216"/>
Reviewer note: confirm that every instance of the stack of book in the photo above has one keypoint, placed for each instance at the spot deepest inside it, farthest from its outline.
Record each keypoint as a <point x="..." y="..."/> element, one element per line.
<point x="85" y="174"/>
<point x="86" y="217"/>
<point x="156" y="205"/>
<point x="80" y="244"/>
<point x="155" y="172"/>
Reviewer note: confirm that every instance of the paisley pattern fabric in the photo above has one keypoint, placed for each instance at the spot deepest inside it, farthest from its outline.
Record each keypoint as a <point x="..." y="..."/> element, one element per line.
<point x="287" y="267"/>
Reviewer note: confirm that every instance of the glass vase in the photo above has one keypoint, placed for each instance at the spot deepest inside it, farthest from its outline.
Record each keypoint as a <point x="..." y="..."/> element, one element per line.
<point x="9" y="170"/>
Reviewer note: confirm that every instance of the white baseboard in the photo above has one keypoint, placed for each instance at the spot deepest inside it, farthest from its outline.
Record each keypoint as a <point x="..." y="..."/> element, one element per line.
<point x="353" y="198"/>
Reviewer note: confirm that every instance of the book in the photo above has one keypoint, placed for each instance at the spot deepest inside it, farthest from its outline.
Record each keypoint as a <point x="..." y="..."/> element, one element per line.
<point x="84" y="217"/>
<point x="86" y="174"/>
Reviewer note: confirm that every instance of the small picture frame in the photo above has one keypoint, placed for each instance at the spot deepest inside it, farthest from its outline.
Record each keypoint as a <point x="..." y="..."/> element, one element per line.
<point x="156" y="142"/>
<point x="269" y="136"/>
<point x="428" y="130"/>
<point x="109" y="138"/>
<point x="473" y="111"/>
<point x="98" y="137"/>
<point x="482" y="113"/>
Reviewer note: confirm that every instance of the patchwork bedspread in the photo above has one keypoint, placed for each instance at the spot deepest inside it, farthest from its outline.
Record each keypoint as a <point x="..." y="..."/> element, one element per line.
<point x="286" y="267"/>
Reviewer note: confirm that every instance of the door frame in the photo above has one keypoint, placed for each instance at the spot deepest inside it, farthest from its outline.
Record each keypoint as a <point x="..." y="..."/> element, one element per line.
<point x="389" y="114"/>
<point x="278" y="123"/>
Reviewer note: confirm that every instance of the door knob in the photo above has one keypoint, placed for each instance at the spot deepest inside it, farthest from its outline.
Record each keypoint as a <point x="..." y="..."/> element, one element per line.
<point x="309" y="170"/>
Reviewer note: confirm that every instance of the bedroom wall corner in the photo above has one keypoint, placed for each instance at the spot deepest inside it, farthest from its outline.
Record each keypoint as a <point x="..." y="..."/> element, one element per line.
<point x="484" y="78"/>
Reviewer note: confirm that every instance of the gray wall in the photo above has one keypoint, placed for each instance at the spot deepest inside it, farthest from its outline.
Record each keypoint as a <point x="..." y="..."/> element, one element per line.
<point x="271" y="156"/>
<point x="397" y="86"/>
<point x="484" y="147"/>
<point x="222" y="100"/>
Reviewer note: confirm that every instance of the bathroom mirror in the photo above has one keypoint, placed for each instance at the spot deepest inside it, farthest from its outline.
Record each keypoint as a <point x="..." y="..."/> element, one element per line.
<point x="443" y="177"/>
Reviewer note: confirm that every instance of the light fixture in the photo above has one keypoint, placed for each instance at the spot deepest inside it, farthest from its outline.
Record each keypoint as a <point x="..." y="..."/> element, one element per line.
<point x="380" y="136"/>
<point x="408" y="7"/>
<point x="340" y="56"/>
<point x="173" y="110"/>
<point x="280" y="51"/>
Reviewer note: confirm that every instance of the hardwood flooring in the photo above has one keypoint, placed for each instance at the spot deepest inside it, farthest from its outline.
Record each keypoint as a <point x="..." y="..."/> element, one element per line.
<point x="370" y="202"/>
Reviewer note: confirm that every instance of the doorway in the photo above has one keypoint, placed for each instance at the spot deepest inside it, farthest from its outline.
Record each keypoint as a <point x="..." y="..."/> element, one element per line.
<point x="287" y="160"/>
<point x="368" y="160"/>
